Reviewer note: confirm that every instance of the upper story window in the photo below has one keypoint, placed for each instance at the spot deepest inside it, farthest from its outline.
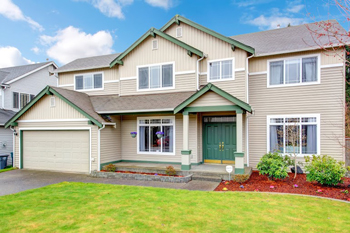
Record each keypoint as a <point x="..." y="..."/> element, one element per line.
<point x="179" y="32"/>
<point x="21" y="99"/>
<point x="221" y="70"/>
<point x="294" y="71"/>
<point x="90" y="81"/>
<point x="160" y="76"/>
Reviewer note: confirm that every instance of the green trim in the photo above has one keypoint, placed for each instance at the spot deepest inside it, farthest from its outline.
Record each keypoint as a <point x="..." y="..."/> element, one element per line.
<point x="210" y="87"/>
<point x="245" y="165"/>
<point x="186" y="152"/>
<point x="153" y="32"/>
<point x="186" y="167"/>
<point x="229" y="40"/>
<point x="39" y="96"/>
<point x="14" y="124"/>
<point x="143" y="161"/>
<point x="104" y="164"/>
<point x="223" y="108"/>
<point x="239" y="154"/>
<point x="196" y="164"/>
<point x="142" y="113"/>
<point x="239" y="171"/>
<point x="21" y="149"/>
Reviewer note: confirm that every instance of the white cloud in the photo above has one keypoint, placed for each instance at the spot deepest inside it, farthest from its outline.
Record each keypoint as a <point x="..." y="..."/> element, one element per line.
<point x="13" y="12"/>
<point x="166" y="4"/>
<point x="35" y="49"/>
<point x="72" y="43"/>
<point x="271" y="22"/>
<point x="11" y="56"/>
<point x="110" y="8"/>
<point x="296" y="8"/>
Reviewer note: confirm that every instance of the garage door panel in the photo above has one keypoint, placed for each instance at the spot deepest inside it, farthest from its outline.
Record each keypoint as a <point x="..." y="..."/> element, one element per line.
<point x="56" y="150"/>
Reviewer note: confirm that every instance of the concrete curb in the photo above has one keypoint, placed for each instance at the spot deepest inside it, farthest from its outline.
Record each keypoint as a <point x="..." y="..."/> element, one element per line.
<point x="294" y="194"/>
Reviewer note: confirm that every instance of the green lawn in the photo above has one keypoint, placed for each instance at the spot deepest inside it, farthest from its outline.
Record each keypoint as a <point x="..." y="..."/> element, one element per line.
<point x="83" y="207"/>
<point x="7" y="169"/>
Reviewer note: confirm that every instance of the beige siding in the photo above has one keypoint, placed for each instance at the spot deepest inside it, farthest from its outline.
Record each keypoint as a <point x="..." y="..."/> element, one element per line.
<point x="259" y="64"/>
<point x="111" y="142"/>
<point x="184" y="82"/>
<point x="325" y="99"/>
<point x="129" y="149"/>
<point x="210" y="99"/>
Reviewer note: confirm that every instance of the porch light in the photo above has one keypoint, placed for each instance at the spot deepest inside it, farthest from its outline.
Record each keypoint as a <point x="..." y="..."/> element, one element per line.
<point x="133" y="134"/>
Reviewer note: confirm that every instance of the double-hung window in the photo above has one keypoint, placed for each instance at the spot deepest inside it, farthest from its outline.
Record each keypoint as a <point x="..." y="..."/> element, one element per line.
<point x="294" y="134"/>
<point x="21" y="99"/>
<point x="91" y="81"/>
<point x="148" y="141"/>
<point x="220" y="70"/>
<point x="156" y="77"/>
<point x="294" y="71"/>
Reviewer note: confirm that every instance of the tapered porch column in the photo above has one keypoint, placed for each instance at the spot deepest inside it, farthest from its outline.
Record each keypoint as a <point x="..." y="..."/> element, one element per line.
<point x="239" y="154"/>
<point x="185" y="152"/>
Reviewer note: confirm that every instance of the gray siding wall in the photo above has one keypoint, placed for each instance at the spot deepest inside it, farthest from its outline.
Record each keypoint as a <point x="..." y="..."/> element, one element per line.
<point x="6" y="138"/>
<point x="32" y="84"/>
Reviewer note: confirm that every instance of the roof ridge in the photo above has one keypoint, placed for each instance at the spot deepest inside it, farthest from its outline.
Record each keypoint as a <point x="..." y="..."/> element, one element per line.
<point x="26" y="65"/>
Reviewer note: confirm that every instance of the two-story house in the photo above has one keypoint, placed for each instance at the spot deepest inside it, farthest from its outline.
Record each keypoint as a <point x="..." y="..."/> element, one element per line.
<point x="18" y="86"/>
<point x="215" y="99"/>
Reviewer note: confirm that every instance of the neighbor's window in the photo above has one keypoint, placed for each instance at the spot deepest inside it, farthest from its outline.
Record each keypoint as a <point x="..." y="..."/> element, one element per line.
<point x="21" y="99"/>
<point x="88" y="81"/>
<point x="158" y="76"/>
<point x="220" y="70"/>
<point x="148" y="140"/>
<point x="294" y="134"/>
<point x="293" y="71"/>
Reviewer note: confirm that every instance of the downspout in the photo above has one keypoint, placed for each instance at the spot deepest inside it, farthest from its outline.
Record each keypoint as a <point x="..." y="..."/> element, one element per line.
<point x="99" y="142"/>
<point x="13" y="145"/>
<point x="247" y="117"/>
<point x="198" y="60"/>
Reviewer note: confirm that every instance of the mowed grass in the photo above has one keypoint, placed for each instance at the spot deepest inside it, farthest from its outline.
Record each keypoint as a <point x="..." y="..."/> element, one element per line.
<point x="81" y="207"/>
<point x="8" y="169"/>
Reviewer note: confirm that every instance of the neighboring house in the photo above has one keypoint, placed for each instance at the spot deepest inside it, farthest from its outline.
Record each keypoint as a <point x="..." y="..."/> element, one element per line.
<point x="217" y="99"/>
<point x="19" y="85"/>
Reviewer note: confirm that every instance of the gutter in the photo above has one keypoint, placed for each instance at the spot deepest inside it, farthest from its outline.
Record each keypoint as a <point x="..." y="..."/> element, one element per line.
<point x="247" y="117"/>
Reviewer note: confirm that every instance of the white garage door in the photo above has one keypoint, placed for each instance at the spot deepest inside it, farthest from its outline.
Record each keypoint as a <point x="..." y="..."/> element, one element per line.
<point x="66" y="151"/>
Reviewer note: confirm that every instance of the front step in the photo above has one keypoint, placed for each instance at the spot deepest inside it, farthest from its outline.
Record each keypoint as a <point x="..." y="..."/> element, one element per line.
<point x="206" y="178"/>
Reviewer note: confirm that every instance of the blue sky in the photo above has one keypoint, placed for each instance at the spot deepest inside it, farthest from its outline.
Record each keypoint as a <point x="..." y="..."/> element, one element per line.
<point x="63" y="30"/>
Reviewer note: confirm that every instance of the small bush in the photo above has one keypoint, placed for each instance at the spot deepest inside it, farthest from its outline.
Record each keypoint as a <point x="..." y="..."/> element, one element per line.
<point x="240" y="178"/>
<point x="324" y="170"/>
<point x="170" y="171"/>
<point x="274" y="166"/>
<point x="110" y="167"/>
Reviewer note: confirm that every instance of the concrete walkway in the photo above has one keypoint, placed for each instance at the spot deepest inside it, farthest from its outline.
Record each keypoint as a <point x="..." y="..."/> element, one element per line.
<point x="20" y="180"/>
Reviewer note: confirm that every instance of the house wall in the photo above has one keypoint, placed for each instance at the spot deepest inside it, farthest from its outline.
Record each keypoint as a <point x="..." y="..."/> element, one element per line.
<point x="6" y="143"/>
<point x="63" y="116"/>
<point x="110" y="81"/>
<point x="32" y="84"/>
<point x="326" y="99"/>
<point x="210" y="99"/>
<point x="111" y="142"/>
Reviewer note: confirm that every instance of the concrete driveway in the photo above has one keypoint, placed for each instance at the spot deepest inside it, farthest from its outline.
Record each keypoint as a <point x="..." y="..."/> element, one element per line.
<point x="20" y="180"/>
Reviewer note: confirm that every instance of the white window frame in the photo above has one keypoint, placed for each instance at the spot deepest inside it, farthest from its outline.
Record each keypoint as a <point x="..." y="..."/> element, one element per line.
<point x="318" y="133"/>
<point x="301" y="74"/>
<point x="149" y="73"/>
<point x="19" y="99"/>
<point x="176" y="35"/>
<point x="220" y="60"/>
<point x="93" y="89"/>
<point x="159" y="117"/>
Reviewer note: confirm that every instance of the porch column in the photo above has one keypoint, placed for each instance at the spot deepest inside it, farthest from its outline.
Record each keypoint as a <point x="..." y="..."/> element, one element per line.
<point x="186" y="152"/>
<point x="239" y="154"/>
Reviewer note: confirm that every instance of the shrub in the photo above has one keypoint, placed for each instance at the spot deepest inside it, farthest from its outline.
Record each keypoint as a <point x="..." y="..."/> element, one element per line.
<point x="110" y="167"/>
<point x="241" y="178"/>
<point x="274" y="166"/>
<point x="324" y="170"/>
<point x="170" y="171"/>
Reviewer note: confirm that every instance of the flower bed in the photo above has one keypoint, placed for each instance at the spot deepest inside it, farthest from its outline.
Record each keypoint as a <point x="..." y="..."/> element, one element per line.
<point x="260" y="183"/>
<point x="143" y="173"/>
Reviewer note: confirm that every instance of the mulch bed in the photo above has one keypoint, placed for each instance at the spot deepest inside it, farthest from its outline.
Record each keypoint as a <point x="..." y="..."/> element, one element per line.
<point x="260" y="183"/>
<point x="142" y="173"/>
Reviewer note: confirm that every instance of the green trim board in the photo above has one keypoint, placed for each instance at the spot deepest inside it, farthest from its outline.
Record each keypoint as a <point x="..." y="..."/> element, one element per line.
<point x="154" y="32"/>
<point x="239" y="154"/>
<point x="239" y="171"/>
<point x="21" y="149"/>
<point x="234" y="43"/>
<point x="45" y="91"/>
<point x="186" y="167"/>
<point x="223" y="108"/>
<point x="186" y="152"/>
<point x="210" y="87"/>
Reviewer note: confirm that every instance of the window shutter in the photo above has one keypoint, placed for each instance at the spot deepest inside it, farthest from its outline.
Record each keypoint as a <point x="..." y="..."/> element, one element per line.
<point x="15" y="99"/>
<point x="179" y="32"/>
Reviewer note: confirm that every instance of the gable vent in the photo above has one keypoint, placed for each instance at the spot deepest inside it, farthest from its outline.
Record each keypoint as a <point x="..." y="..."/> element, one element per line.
<point x="154" y="44"/>
<point x="52" y="102"/>
<point x="179" y="32"/>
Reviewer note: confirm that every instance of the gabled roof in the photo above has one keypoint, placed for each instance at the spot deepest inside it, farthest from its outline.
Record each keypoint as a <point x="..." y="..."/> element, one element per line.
<point x="292" y="39"/>
<point x="5" y="115"/>
<point x="11" y="74"/>
<point x="222" y="93"/>
<point x="154" y="32"/>
<point x="88" y="63"/>
<point x="78" y="100"/>
<point x="234" y="43"/>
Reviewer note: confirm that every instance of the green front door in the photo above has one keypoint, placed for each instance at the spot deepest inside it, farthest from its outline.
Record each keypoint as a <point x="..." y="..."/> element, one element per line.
<point x="219" y="142"/>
